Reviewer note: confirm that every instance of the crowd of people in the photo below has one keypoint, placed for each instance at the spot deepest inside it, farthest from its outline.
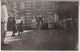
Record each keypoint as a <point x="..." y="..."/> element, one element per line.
<point x="16" y="27"/>
<point x="39" y="22"/>
<point x="55" y="23"/>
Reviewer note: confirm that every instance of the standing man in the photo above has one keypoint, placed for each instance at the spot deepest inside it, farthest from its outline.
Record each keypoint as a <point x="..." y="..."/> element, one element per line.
<point x="4" y="18"/>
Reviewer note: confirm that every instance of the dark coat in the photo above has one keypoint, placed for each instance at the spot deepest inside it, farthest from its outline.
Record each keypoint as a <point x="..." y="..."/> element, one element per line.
<point x="14" y="26"/>
<point x="20" y="27"/>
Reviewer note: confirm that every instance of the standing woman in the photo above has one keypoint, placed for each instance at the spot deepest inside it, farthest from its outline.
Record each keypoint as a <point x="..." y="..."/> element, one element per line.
<point x="14" y="26"/>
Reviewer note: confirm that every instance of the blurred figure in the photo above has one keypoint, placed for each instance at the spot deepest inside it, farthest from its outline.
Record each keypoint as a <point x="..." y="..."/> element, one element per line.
<point x="20" y="28"/>
<point x="39" y="20"/>
<point x="56" y="20"/>
<point x="69" y="23"/>
<point x="34" y="22"/>
<point x="13" y="26"/>
<point x="9" y="24"/>
<point x="49" y="23"/>
<point x="4" y="19"/>
<point x="64" y="24"/>
<point x="45" y="25"/>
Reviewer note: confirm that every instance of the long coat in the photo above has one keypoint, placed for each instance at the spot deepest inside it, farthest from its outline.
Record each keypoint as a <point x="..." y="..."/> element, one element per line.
<point x="14" y="25"/>
<point x="4" y="18"/>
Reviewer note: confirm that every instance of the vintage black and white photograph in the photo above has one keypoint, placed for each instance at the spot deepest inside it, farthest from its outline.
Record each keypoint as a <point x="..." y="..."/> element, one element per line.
<point x="39" y="25"/>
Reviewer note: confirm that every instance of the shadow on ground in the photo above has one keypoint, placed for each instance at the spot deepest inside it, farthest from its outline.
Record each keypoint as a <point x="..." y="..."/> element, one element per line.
<point x="44" y="40"/>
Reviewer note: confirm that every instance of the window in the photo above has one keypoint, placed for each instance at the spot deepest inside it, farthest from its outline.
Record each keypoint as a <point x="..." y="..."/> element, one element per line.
<point x="22" y="5"/>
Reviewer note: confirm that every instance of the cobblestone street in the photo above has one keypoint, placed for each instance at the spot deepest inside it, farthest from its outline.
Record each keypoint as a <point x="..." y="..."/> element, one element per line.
<point x="41" y="40"/>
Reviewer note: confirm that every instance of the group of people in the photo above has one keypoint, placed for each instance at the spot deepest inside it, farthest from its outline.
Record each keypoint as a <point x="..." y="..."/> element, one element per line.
<point x="67" y="24"/>
<point x="55" y="23"/>
<point x="4" y="21"/>
<point x="16" y="27"/>
<point x="46" y="23"/>
<point x="40" y="22"/>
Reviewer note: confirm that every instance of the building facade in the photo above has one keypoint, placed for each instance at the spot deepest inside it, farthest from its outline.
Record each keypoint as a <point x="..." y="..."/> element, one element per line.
<point x="27" y="9"/>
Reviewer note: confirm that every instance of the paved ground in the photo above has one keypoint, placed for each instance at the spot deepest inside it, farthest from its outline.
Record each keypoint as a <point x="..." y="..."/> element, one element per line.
<point x="41" y="40"/>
